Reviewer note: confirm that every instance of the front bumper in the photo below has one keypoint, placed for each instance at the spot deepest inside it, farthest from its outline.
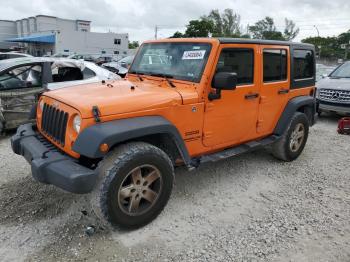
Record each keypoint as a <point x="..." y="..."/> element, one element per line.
<point x="49" y="165"/>
<point x="333" y="107"/>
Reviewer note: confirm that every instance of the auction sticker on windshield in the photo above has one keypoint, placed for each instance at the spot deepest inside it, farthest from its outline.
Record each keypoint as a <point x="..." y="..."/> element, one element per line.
<point x="191" y="55"/>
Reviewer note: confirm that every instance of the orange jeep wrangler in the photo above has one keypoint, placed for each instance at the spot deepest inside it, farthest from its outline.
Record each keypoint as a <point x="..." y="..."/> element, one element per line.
<point x="184" y="102"/>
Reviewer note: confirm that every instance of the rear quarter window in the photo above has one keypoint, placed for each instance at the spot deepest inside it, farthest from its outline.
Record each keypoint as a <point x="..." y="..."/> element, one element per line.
<point x="303" y="64"/>
<point x="303" y="68"/>
<point x="88" y="73"/>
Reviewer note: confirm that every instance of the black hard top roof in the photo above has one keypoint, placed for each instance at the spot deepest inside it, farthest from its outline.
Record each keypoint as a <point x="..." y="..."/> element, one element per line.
<point x="264" y="42"/>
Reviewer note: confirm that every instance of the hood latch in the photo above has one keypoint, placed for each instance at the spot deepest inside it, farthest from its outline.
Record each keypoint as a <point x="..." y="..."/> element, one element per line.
<point x="96" y="112"/>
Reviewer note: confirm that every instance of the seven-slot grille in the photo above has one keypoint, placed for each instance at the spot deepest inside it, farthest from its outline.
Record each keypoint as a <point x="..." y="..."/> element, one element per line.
<point x="340" y="96"/>
<point x="54" y="123"/>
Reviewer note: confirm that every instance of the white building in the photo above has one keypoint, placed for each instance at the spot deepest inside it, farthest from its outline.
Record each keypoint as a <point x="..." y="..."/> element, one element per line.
<point x="7" y="30"/>
<point x="46" y="35"/>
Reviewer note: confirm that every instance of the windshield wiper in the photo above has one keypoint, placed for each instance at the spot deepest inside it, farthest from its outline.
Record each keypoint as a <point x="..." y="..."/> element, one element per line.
<point x="138" y="74"/>
<point x="166" y="77"/>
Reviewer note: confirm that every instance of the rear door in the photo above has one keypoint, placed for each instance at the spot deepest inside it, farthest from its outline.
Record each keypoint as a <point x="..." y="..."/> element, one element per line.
<point x="232" y="118"/>
<point x="275" y="86"/>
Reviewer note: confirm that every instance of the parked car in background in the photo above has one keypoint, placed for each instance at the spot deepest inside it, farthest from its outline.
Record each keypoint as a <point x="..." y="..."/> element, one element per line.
<point x="61" y="55"/>
<point x="104" y="59"/>
<point x="85" y="57"/>
<point x="333" y="91"/>
<point x="116" y="68"/>
<point x="126" y="61"/>
<point x="23" y="80"/>
<point x="10" y="55"/>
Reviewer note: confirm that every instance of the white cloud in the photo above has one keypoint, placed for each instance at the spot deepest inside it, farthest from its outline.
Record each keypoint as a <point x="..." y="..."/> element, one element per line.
<point x="139" y="17"/>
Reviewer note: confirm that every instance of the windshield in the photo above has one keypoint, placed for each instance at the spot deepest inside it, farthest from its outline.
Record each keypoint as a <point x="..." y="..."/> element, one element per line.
<point x="342" y="71"/>
<point x="183" y="61"/>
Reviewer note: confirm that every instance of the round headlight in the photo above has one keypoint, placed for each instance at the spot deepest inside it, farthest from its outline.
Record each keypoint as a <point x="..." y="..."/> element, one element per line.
<point x="41" y="105"/>
<point x="76" y="123"/>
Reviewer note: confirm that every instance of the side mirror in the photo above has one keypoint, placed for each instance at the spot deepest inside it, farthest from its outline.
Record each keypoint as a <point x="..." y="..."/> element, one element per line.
<point x="223" y="81"/>
<point x="324" y="75"/>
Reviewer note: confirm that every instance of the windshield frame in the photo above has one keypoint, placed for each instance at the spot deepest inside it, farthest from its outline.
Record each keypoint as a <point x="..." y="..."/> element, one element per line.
<point x="167" y="75"/>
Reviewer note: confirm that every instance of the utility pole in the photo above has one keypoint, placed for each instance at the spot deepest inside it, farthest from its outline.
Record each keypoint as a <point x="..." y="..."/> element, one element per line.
<point x="318" y="32"/>
<point x="319" y="47"/>
<point x="156" y="32"/>
<point x="346" y="51"/>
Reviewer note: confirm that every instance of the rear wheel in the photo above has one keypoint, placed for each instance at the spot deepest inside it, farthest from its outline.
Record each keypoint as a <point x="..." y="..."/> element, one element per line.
<point x="293" y="141"/>
<point x="135" y="183"/>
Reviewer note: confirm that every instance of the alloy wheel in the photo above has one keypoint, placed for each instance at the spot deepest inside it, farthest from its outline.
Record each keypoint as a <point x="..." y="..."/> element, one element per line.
<point x="140" y="190"/>
<point x="297" y="137"/>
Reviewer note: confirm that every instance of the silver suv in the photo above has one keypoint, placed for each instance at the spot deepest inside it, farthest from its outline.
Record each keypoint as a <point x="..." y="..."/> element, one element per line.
<point x="333" y="91"/>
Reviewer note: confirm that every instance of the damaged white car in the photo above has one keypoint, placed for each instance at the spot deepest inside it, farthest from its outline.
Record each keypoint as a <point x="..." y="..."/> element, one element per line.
<point x="23" y="80"/>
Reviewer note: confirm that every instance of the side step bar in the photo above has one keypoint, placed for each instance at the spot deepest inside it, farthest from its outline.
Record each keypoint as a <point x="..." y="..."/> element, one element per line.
<point x="238" y="150"/>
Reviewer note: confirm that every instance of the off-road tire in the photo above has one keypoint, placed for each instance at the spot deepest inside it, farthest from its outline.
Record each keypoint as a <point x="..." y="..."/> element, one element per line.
<point x="282" y="149"/>
<point x="115" y="168"/>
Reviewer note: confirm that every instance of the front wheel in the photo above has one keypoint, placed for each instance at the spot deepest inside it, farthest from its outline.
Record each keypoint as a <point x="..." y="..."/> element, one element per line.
<point x="135" y="183"/>
<point x="292" y="143"/>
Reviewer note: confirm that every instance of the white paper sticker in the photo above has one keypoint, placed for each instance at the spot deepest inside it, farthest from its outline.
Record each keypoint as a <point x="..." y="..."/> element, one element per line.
<point x="193" y="55"/>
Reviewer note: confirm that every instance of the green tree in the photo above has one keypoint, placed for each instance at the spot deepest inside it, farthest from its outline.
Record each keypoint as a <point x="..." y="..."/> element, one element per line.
<point x="344" y="39"/>
<point x="178" y="34"/>
<point x="199" y="28"/>
<point x="329" y="47"/>
<point x="266" y="29"/>
<point x="226" y="24"/>
<point x="231" y="23"/>
<point x="134" y="45"/>
<point x="290" y="31"/>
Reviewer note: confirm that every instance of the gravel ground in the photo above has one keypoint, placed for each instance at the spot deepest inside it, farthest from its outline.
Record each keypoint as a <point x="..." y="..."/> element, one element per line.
<point x="248" y="208"/>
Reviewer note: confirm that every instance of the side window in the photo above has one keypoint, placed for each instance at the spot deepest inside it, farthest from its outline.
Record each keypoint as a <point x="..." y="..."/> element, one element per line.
<point x="3" y="56"/>
<point x="14" y="56"/>
<point x="303" y="64"/>
<point x="28" y="76"/>
<point x="65" y="74"/>
<point x="88" y="73"/>
<point x="239" y="61"/>
<point x="275" y="65"/>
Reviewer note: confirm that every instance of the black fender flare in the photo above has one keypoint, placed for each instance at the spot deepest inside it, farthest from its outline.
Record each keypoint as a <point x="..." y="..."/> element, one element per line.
<point x="118" y="131"/>
<point x="293" y="106"/>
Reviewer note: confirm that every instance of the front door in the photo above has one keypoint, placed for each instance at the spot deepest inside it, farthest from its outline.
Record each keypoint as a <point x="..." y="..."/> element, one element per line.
<point x="19" y="88"/>
<point x="232" y="118"/>
<point x="274" y="87"/>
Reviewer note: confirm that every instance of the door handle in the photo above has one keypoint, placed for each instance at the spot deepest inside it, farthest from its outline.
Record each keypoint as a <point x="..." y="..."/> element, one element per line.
<point x="283" y="91"/>
<point x="251" y="96"/>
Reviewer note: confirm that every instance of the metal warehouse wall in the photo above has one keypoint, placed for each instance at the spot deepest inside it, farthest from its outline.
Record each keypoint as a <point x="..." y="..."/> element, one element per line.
<point x="90" y="42"/>
<point x="7" y="30"/>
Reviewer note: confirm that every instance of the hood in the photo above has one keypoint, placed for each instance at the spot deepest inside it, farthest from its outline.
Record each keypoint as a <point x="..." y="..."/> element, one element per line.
<point x="117" y="97"/>
<point x="334" y="83"/>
